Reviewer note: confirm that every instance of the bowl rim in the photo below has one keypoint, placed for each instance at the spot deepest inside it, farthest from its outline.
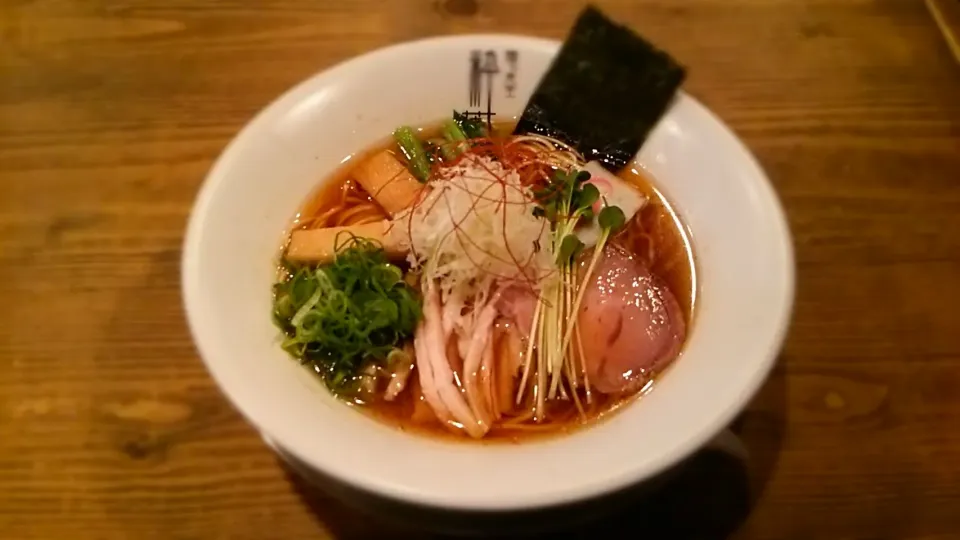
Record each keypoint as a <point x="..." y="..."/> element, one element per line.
<point x="558" y="495"/>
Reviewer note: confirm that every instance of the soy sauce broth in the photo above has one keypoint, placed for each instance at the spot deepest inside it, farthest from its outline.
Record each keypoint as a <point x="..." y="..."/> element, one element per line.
<point x="656" y="235"/>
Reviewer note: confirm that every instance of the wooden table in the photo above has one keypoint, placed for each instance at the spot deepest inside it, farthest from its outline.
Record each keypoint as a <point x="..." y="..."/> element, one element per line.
<point x="112" y="112"/>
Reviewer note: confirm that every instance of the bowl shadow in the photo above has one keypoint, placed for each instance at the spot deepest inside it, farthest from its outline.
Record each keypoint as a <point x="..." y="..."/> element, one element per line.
<point x="709" y="496"/>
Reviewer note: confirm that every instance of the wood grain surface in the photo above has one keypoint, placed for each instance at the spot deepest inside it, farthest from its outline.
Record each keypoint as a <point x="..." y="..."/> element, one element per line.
<point x="112" y="112"/>
<point x="946" y="13"/>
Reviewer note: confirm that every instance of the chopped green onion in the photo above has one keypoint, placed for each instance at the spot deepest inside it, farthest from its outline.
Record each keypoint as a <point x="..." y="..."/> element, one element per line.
<point x="472" y="127"/>
<point x="452" y="131"/>
<point x="455" y="137"/>
<point x="341" y="316"/>
<point x="413" y="150"/>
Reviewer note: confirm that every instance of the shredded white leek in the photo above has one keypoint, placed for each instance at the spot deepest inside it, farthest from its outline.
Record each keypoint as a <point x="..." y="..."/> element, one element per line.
<point x="476" y="226"/>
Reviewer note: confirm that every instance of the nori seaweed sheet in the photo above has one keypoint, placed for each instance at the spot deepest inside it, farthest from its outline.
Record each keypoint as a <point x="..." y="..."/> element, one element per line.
<point x="604" y="92"/>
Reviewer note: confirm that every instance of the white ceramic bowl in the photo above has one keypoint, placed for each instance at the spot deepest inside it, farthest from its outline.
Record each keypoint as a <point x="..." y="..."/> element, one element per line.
<point x="739" y="233"/>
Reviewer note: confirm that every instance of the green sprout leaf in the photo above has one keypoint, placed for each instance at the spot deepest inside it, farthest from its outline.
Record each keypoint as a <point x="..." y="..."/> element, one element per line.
<point x="611" y="218"/>
<point x="588" y="195"/>
<point x="472" y="127"/>
<point x="570" y="246"/>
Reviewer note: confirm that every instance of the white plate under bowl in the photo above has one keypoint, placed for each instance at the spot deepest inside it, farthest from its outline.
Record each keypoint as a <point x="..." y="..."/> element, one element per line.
<point x="740" y="237"/>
